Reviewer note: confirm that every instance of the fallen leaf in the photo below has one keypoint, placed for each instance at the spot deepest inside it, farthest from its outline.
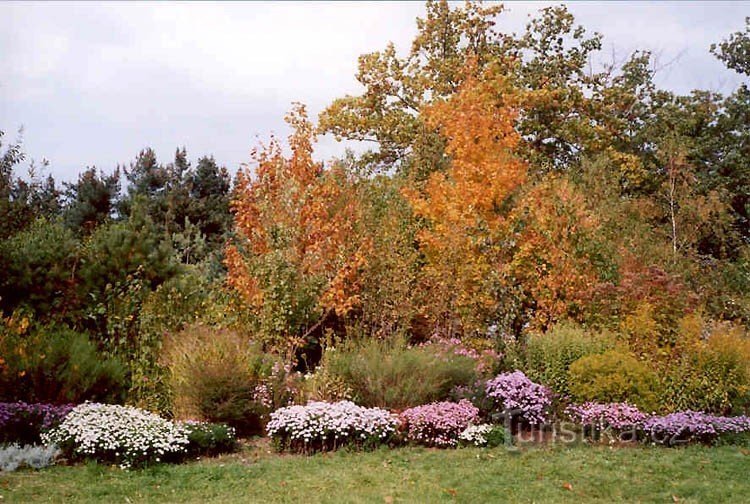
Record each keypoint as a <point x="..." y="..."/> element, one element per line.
<point x="451" y="491"/>
<point x="675" y="498"/>
<point x="388" y="499"/>
<point x="568" y="486"/>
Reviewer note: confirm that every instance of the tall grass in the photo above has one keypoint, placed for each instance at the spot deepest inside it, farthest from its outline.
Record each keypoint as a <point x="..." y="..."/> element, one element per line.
<point x="391" y="374"/>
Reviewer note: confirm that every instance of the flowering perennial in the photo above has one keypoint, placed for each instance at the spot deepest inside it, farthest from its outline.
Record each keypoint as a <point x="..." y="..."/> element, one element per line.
<point x="23" y="423"/>
<point x="327" y="426"/>
<point x="123" y="434"/>
<point x="476" y="434"/>
<point x="686" y="426"/>
<point x="617" y="416"/>
<point x="440" y="423"/>
<point x="517" y="395"/>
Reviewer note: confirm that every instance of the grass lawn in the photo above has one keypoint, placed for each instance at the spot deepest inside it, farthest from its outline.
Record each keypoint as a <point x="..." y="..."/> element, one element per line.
<point x="537" y="474"/>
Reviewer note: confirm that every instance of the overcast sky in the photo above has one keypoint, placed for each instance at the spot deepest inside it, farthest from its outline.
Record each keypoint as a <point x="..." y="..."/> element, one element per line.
<point x="94" y="83"/>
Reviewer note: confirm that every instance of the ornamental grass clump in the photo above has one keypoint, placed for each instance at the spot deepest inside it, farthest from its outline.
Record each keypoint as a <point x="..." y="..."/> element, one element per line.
<point x="323" y="426"/>
<point x="438" y="424"/>
<point x="621" y="419"/>
<point x="124" y="435"/>
<point x="693" y="426"/>
<point x="516" y="397"/>
<point x="24" y="423"/>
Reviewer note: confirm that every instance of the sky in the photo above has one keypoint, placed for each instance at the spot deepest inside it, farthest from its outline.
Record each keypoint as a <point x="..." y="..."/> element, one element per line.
<point x="94" y="83"/>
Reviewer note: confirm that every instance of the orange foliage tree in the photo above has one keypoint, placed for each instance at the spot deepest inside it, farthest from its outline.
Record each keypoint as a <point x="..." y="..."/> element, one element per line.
<point x="463" y="208"/>
<point x="296" y="259"/>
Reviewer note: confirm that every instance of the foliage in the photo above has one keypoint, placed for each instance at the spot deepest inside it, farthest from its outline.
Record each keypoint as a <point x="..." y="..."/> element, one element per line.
<point x="392" y="375"/>
<point x="21" y="422"/>
<point x="438" y="424"/>
<point x="614" y="376"/>
<point x="220" y="376"/>
<point x="547" y="356"/>
<point x="321" y="426"/>
<point x="295" y="261"/>
<point x="54" y="364"/>
<point x="14" y="456"/>
<point x="125" y="435"/>
<point x="712" y="373"/>
<point x="692" y="426"/>
<point x="515" y="396"/>
<point x="207" y="439"/>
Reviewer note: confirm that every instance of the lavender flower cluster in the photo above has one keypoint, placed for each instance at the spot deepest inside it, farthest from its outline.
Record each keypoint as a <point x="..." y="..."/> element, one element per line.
<point x="438" y="424"/>
<point x="617" y="416"/>
<point x="687" y="426"/>
<point x="514" y="393"/>
<point x="124" y="434"/>
<point x="322" y="426"/>
<point x="23" y="422"/>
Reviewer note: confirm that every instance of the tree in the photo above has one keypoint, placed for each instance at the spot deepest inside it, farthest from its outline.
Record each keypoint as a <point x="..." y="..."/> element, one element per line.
<point x="91" y="200"/>
<point x="295" y="260"/>
<point x="465" y="207"/>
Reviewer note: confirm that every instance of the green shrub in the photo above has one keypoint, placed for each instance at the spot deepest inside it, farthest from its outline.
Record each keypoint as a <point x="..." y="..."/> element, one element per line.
<point x="548" y="356"/>
<point x="57" y="365"/>
<point x="209" y="439"/>
<point x="613" y="376"/>
<point x="712" y="376"/>
<point x="390" y="374"/>
<point x="219" y="376"/>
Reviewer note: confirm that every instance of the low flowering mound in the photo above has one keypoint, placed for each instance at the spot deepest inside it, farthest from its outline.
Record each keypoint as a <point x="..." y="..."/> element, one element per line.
<point x="209" y="439"/>
<point x="24" y="423"/>
<point x="483" y="435"/>
<point x="323" y="426"/>
<point x="516" y="395"/>
<point x="597" y="417"/>
<point x="693" y="426"/>
<point x="125" y="435"/>
<point x="438" y="424"/>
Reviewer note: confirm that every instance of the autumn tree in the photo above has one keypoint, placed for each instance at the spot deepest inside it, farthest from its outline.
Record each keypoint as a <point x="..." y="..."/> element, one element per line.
<point x="295" y="261"/>
<point x="464" y="208"/>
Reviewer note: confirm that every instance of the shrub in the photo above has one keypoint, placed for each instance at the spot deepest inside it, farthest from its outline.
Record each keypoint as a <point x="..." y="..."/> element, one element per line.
<point x="548" y="356"/>
<point x="692" y="426"/>
<point x="484" y="435"/>
<point x="125" y="435"/>
<point x="208" y="439"/>
<point x="712" y="375"/>
<point x="13" y="456"/>
<point x="321" y="426"/>
<point x="514" y="394"/>
<point x="57" y="365"/>
<point x="23" y="423"/>
<point x="621" y="418"/>
<point x="392" y="375"/>
<point x="219" y="376"/>
<point x="613" y="377"/>
<point x="438" y="424"/>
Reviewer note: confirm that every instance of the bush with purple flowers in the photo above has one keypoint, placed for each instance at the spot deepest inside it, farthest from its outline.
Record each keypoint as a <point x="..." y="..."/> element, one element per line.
<point x="692" y="426"/>
<point x="438" y="424"/>
<point x="323" y="426"/>
<point x="23" y="423"/>
<point x="621" y="419"/>
<point x="515" y="394"/>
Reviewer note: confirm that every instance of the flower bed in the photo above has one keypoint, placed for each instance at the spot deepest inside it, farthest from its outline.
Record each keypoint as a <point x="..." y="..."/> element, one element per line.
<point x="516" y="395"/>
<point x="622" y="419"/>
<point x="438" y="424"/>
<point x="24" y="423"/>
<point x="322" y="426"/>
<point x="121" y="434"/>
<point x="692" y="426"/>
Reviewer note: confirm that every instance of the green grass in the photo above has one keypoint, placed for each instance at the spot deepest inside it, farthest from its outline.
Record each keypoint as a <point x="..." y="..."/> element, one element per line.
<point x="558" y="474"/>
